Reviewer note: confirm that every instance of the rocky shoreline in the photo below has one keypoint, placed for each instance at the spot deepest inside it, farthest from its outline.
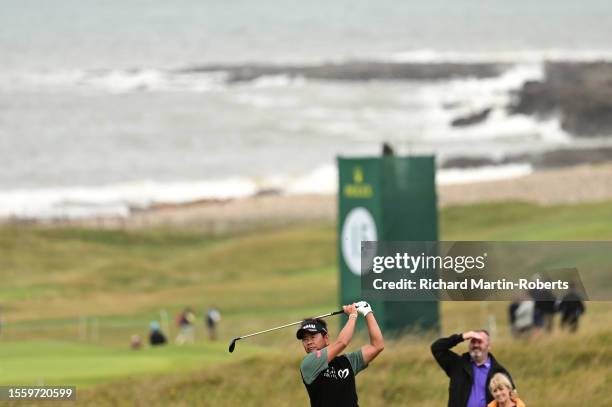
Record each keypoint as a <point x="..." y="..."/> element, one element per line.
<point x="356" y="71"/>
<point x="579" y="93"/>
<point x="559" y="158"/>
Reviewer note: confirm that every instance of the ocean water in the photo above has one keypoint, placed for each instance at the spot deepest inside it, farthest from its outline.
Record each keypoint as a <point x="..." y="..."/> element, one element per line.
<point x="102" y="108"/>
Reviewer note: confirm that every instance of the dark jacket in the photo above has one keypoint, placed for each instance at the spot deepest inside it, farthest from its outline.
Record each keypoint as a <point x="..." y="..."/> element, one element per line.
<point x="157" y="338"/>
<point x="459" y="370"/>
<point x="571" y="307"/>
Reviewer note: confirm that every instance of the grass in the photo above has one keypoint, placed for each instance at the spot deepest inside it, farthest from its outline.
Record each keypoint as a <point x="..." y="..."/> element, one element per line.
<point x="524" y="221"/>
<point x="60" y="362"/>
<point x="60" y="283"/>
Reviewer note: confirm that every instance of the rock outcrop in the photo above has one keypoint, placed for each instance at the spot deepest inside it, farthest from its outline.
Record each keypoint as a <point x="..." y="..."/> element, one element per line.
<point x="580" y="93"/>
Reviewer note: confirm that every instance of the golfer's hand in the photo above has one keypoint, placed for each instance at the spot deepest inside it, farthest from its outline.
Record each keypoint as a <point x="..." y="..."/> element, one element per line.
<point x="350" y="309"/>
<point x="363" y="308"/>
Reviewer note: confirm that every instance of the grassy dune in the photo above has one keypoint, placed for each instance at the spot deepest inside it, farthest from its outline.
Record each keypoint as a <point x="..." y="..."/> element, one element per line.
<point x="564" y="371"/>
<point x="58" y="284"/>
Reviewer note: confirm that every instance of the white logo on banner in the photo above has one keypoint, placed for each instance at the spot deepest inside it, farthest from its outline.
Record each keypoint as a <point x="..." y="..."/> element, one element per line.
<point x="358" y="226"/>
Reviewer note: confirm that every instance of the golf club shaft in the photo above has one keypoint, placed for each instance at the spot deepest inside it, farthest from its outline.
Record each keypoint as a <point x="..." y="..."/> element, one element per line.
<point x="291" y="324"/>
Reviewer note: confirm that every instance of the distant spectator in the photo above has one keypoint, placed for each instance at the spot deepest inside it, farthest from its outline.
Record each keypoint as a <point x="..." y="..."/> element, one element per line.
<point x="544" y="306"/>
<point x="387" y="150"/>
<point x="213" y="316"/>
<point x="571" y="308"/>
<point x="135" y="342"/>
<point x="512" y="310"/>
<point x="524" y="318"/>
<point x="156" y="336"/>
<point x="185" y="321"/>
<point x="522" y="315"/>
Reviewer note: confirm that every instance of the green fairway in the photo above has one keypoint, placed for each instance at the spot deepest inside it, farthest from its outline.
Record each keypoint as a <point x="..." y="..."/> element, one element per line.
<point x="523" y="221"/>
<point x="71" y="298"/>
<point x="56" y="363"/>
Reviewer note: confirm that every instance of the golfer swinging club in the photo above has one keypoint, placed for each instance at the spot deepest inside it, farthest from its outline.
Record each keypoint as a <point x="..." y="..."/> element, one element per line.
<point x="329" y="377"/>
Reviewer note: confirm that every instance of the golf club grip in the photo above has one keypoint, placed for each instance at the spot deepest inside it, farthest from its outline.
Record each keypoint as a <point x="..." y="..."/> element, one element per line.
<point x="330" y="314"/>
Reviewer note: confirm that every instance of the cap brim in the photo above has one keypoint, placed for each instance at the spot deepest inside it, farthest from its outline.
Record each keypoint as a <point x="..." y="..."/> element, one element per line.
<point x="300" y="333"/>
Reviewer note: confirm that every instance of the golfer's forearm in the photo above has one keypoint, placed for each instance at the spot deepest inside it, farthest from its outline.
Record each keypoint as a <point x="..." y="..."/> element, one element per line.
<point x="346" y="334"/>
<point x="377" y="345"/>
<point x="343" y="339"/>
<point x="376" y="337"/>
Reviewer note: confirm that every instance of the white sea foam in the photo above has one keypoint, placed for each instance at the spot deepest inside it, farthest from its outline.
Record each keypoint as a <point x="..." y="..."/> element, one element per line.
<point x="480" y="174"/>
<point x="114" y="81"/>
<point x="260" y="101"/>
<point x="115" y="200"/>
<point x="526" y="64"/>
<point x="519" y="56"/>
<point x="134" y="80"/>
<point x="500" y="132"/>
<point x="120" y="199"/>
<point x="323" y="180"/>
<point x="462" y="96"/>
<point x="278" y="81"/>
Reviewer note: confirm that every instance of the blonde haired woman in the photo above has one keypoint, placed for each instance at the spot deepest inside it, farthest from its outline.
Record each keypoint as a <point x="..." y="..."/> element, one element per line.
<point x="502" y="391"/>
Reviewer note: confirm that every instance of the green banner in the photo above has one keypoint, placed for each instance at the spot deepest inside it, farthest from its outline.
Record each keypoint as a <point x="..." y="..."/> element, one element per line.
<point x="385" y="198"/>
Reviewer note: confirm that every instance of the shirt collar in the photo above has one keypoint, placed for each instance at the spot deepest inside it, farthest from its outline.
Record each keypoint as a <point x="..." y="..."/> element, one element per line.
<point x="486" y="364"/>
